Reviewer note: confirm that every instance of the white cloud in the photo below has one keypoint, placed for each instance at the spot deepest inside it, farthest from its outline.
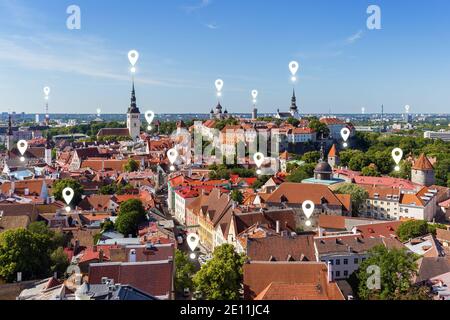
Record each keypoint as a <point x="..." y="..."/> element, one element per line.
<point x="198" y="6"/>
<point x="81" y="56"/>
<point x="212" y="26"/>
<point x="354" y="37"/>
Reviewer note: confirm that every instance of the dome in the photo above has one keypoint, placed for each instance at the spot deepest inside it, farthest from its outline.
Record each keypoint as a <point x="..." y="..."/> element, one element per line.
<point x="323" y="167"/>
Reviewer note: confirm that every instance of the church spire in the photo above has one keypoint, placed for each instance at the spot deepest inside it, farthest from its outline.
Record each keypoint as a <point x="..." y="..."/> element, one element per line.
<point x="133" y="106"/>
<point x="9" y="133"/>
<point x="293" y="101"/>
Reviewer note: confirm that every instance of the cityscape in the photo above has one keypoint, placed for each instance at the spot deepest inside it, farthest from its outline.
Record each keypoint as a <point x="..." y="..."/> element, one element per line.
<point x="258" y="201"/>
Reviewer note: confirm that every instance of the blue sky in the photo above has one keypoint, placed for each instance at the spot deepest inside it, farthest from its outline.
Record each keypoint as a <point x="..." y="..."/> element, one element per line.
<point x="185" y="45"/>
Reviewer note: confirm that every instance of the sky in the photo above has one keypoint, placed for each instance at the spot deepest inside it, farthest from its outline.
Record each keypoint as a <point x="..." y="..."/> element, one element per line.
<point x="186" y="45"/>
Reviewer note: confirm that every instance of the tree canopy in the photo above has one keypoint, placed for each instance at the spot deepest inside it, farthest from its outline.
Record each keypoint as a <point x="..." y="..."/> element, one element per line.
<point x="220" y="278"/>
<point x="131" y="214"/>
<point x="396" y="270"/>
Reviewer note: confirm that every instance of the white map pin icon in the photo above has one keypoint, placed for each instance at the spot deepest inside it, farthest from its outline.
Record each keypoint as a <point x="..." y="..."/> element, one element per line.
<point x="47" y="91"/>
<point x="193" y="240"/>
<point x="22" y="145"/>
<point x="345" y="134"/>
<point x="149" y="116"/>
<point x="363" y="110"/>
<point x="293" y="67"/>
<point x="259" y="160"/>
<point x="68" y="194"/>
<point x="172" y="154"/>
<point x="254" y="94"/>
<point x="308" y="209"/>
<point x="407" y="107"/>
<point x="219" y="84"/>
<point x="397" y="155"/>
<point x="99" y="111"/>
<point x="133" y="57"/>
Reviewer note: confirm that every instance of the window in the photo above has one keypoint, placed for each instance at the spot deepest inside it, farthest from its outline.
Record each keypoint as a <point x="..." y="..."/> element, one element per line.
<point x="345" y="273"/>
<point x="331" y="261"/>
<point x="338" y="262"/>
<point x="338" y="273"/>
<point x="345" y="261"/>
<point x="355" y="261"/>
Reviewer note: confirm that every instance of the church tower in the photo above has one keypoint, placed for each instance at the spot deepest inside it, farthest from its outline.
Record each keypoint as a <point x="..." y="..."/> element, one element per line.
<point x="48" y="151"/>
<point x="294" y="109"/>
<point x="333" y="157"/>
<point x="9" y="135"/>
<point x="134" y="117"/>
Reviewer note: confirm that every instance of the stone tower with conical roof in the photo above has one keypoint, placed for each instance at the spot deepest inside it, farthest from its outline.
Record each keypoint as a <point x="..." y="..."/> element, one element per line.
<point x="422" y="171"/>
<point x="333" y="157"/>
<point x="134" y="117"/>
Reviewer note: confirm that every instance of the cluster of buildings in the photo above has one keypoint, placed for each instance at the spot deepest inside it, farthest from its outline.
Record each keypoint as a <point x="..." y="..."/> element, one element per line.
<point x="286" y="258"/>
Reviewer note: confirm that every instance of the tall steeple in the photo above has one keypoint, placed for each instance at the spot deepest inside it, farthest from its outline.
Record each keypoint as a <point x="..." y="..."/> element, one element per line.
<point x="293" y="101"/>
<point x="133" y="106"/>
<point x="134" y="117"/>
<point x="9" y="135"/>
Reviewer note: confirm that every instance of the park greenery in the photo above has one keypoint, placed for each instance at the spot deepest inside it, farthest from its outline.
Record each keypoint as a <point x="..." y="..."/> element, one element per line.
<point x="376" y="149"/>
<point x="36" y="252"/>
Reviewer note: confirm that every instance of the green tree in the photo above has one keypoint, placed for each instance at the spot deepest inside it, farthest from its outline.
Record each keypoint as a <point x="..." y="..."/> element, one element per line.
<point x="60" y="185"/>
<point x="414" y="228"/>
<point x="131" y="166"/>
<point x="184" y="271"/>
<point x="301" y="173"/>
<point x="293" y="121"/>
<point x="59" y="261"/>
<point x="370" y="171"/>
<point x="311" y="157"/>
<point x="358" y="161"/>
<point x="24" y="251"/>
<point x="220" y="278"/>
<point x="321" y="128"/>
<point x="357" y="194"/>
<point x="397" y="268"/>
<point x="131" y="215"/>
<point x="237" y="196"/>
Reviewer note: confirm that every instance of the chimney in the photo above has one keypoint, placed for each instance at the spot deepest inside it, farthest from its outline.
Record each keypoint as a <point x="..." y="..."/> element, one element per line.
<point x="330" y="272"/>
<point x="277" y="226"/>
<point x="132" y="256"/>
<point x="100" y="255"/>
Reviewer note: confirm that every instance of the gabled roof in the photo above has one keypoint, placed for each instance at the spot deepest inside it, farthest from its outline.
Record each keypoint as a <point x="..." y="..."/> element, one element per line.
<point x="297" y="193"/>
<point x="277" y="248"/>
<point x="258" y="277"/>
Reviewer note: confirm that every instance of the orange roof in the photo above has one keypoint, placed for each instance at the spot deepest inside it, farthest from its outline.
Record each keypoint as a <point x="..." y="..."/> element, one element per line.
<point x="333" y="151"/>
<point x="423" y="163"/>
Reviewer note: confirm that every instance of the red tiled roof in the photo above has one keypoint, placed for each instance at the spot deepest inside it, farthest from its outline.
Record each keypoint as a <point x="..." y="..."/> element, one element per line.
<point x="423" y="163"/>
<point x="258" y="276"/>
<point x="152" y="277"/>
